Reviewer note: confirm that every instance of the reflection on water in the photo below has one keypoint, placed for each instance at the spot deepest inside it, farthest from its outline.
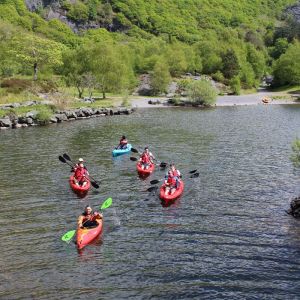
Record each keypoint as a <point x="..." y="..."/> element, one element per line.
<point x="227" y="237"/>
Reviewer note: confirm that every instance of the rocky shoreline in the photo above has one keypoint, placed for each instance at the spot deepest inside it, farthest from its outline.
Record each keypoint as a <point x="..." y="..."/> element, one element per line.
<point x="31" y="118"/>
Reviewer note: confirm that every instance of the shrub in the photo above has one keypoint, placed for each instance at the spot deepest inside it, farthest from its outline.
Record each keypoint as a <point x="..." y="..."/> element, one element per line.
<point x="78" y="12"/>
<point x="202" y="92"/>
<point x="295" y="157"/>
<point x="235" y="85"/>
<point x="44" y="115"/>
<point x="15" y="85"/>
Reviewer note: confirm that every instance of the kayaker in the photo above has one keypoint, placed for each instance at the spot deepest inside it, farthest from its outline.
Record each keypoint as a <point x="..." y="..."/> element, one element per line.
<point x="89" y="218"/>
<point x="146" y="158"/>
<point x="171" y="183"/>
<point x="175" y="171"/>
<point x="123" y="143"/>
<point x="80" y="173"/>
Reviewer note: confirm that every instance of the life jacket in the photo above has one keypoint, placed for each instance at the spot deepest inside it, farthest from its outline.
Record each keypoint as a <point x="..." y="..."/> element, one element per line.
<point x="176" y="174"/>
<point x="145" y="158"/>
<point x="91" y="217"/>
<point x="171" y="180"/>
<point x="80" y="173"/>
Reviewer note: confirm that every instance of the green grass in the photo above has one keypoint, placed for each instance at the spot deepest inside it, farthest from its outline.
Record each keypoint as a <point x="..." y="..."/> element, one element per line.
<point x="21" y="111"/>
<point x="287" y="89"/>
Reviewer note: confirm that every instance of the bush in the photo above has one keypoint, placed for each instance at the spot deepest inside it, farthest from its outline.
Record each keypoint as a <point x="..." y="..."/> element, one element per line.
<point x="295" y="157"/>
<point x="44" y="115"/>
<point x="78" y="12"/>
<point x="15" y="85"/>
<point x="218" y="76"/>
<point x="202" y="92"/>
<point x="235" y="85"/>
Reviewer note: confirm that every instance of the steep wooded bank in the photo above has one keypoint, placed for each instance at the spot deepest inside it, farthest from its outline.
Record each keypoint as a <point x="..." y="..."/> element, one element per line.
<point x="105" y="44"/>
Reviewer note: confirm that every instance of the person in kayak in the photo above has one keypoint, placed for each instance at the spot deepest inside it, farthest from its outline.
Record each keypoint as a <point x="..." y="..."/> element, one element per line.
<point x="80" y="173"/>
<point x="89" y="218"/>
<point x="176" y="173"/>
<point x="123" y="143"/>
<point x="146" y="159"/>
<point x="171" y="183"/>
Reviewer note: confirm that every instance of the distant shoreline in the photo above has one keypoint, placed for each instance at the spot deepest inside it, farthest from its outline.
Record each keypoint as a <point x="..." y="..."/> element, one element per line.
<point x="241" y="100"/>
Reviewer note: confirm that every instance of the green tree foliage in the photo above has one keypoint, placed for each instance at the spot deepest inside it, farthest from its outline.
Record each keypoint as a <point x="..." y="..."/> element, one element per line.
<point x="201" y="92"/>
<point x="287" y="67"/>
<point x="160" y="78"/>
<point x="111" y="67"/>
<point x="295" y="157"/>
<point x="235" y="85"/>
<point x="230" y="64"/>
<point x="35" y="52"/>
<point x="229" y="38"/>
<point x="78" y="12"/>
<point x="279" y="47"/>
<point x="76" y="69"/>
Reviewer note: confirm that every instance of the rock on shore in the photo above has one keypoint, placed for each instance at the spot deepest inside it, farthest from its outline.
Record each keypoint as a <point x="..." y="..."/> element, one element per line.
<point x="31" y="118"/>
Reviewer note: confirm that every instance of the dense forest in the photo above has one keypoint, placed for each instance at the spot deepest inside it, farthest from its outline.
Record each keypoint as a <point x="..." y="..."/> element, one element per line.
<point x="106" y="44"/>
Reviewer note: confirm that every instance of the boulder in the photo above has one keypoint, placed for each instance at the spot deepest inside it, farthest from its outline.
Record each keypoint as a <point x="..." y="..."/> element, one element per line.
<point x="29" y="121"/>
<point x="18" y="126"/>
<point x="61" y="117"/>
<point x="53" y="119"/>
<point x="295" y="208"/>
<point x="31" y="114"/>
<point x="29" y="103"/>
<point x="87" y="111"/>
<point x="5" y="122"/>
<point x="70" y="114"/>
<point x="79" y="113"/>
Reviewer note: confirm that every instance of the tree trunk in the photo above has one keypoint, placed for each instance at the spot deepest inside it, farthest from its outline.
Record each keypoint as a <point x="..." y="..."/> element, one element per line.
<point x="103" y="95"/>
<point x="80" y="92"/>
<point x="35" y="71"/>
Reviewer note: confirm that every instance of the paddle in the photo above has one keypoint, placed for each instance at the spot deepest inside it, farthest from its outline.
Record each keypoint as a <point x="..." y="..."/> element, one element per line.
<point x="69" y="235"/>
<point x="162" y="164"/>
<point x="193" y="172"/>
<point x="152" y="189"/>
<point x="94" y="183"/>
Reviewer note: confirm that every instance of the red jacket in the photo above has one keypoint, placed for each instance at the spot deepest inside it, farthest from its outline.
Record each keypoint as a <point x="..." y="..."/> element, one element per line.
<point x="145" y="158"/>
<point x="80" y="173"/>
<point x="171" y="180"/>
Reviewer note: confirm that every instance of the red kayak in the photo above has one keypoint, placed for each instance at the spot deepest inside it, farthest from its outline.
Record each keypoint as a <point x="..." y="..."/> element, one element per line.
<point x="169" y="197"/>
<point x="78" y="188"/>
<point x="87" y="235"/>
<point x="145" y="172"/>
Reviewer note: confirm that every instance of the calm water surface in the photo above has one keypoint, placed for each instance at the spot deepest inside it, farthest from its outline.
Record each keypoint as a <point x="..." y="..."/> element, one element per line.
<point x="228" y="237"/>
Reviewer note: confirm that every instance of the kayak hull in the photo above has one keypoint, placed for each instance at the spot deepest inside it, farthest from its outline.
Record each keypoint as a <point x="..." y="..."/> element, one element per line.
<point x="168" y="197"/>
<point x="118" y="152"/>
<point x="145" y="172"/>
<point x="85" y="236"/>
<point x="79" y="189"/>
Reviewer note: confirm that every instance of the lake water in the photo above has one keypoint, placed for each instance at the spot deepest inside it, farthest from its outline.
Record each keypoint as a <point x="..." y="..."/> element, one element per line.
<point x="227" y="237"/>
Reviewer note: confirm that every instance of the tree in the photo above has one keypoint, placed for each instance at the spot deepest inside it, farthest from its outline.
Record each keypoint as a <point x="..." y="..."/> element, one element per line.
<point x="77" y="71"/>
<point x="235" y="85"/>
<point x="110" y="66"/>
<point x="160" y="77"/>
<point x="287" y="67"/>
<point x="33" y="51"/>
<point x="202" y="92"/>
<point x="230" y="64"/>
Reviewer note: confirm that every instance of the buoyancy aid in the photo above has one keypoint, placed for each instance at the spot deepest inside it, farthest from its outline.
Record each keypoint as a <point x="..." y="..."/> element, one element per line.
<point x="145" y="158"/>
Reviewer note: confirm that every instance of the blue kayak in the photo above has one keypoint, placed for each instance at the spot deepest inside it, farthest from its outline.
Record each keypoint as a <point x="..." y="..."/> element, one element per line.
<point x="117" y="152"/>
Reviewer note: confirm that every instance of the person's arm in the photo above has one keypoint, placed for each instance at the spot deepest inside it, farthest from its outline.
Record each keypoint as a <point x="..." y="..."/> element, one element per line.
<point x="79" y="223"/>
